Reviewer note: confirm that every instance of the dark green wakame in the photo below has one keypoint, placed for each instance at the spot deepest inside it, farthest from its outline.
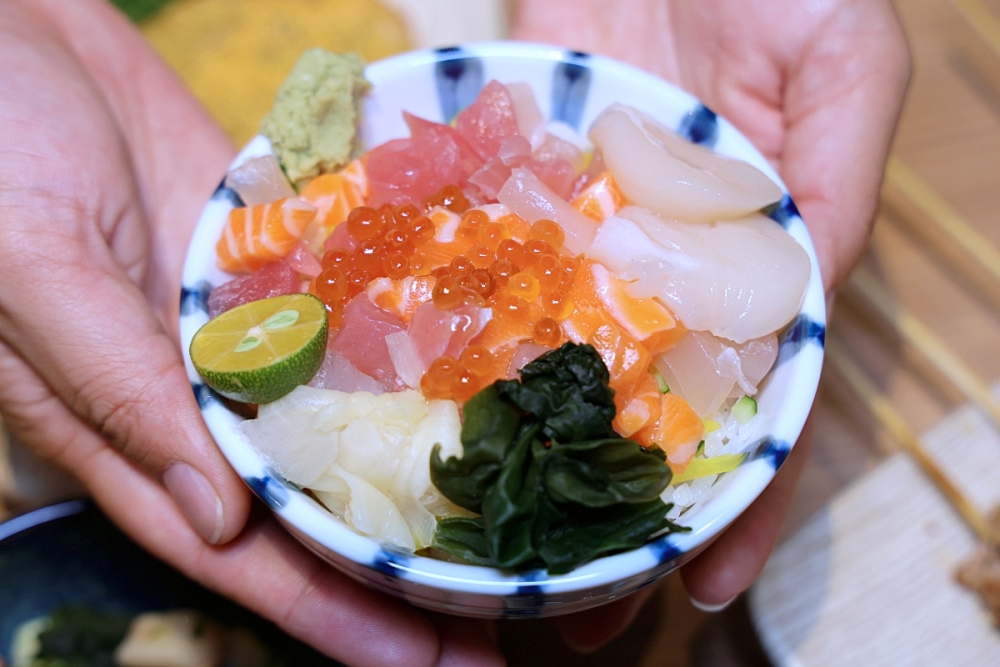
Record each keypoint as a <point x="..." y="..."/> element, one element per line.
<point x="555" y="485"/>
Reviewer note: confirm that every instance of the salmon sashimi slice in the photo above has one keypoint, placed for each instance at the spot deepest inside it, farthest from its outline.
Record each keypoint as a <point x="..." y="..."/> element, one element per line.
<point x="638" y="410"/>
<point x="257" y="235"/>
<point x="640" y="317"/>
<point x="627" y="360"/>
<point x="334" y="196"/>
<point x="601" y="199"/>
<point x="677" y="431"/>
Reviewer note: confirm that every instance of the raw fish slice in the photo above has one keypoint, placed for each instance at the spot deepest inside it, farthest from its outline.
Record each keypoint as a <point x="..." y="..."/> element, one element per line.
<point x="658" y="169"/>
<point x="339" y="374"/>
<point x="340" y="239"/>
<point x="401" y="297"/>
<point x="524" y="355"/>
<point x="553" y="147"/>
<point x="362" y="337"/>
<point x="488" y="120"/>
<point x="258" y="235"/>
<point x="706" y="370"/>
<point x="259" y="181"/>
<point x="640" y="409"/>
<point x="303" y="261"/>
<point x="528" y="197"/>
<point x="435" y="333"/>
<point x="334" y="196"/>
<point x="274" y="279"/>
<point x="600" y="199"/>
<point x="405" y="359"/>
<point x="530" y="123"/>
<point x="677" y="431"/>
<point x="556" y="173"/>
<point x="739" y="279"/>
<point x="407" y="170"/>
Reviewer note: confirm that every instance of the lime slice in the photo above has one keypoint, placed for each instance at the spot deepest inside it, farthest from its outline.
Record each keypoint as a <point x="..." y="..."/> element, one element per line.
<point x="260" y="351"/>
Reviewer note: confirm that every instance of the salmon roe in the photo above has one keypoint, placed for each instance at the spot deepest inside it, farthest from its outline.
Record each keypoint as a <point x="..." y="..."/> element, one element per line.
<point x="547" y="332"/>
<point x="548" y="231"/>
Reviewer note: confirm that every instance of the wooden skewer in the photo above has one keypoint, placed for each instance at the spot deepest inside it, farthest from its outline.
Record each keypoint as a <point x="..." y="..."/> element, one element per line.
<point x="927" y="343"/>
<point x="880" y="408"/>
<point x="941" y="213"/>
<point x="982" y="20"/>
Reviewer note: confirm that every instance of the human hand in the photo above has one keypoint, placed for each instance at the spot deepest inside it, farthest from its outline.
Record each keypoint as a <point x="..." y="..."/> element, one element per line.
<point x="817" y="87"/>
<point x="105" y="161"/>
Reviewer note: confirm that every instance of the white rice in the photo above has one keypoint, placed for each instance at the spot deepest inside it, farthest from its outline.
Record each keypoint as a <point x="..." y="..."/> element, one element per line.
<point x="731" y="438"/>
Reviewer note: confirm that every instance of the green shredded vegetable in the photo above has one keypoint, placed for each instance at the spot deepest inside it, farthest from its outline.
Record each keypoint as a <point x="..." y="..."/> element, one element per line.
<point x="661" y="384"/>
<point x="745" y="409"/>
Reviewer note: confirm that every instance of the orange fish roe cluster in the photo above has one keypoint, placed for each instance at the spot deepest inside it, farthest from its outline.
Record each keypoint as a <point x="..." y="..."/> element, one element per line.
<point x="388" y="242"/>
<point x="460" y="379"/>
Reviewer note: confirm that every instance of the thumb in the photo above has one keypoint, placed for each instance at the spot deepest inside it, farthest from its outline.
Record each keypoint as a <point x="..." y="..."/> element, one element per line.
<point x="87" y="332"/>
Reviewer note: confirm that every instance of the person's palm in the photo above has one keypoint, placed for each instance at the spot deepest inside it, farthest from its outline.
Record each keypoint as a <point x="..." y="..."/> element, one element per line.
<point x="817" y="86"/>
<point x="105" y="161"/>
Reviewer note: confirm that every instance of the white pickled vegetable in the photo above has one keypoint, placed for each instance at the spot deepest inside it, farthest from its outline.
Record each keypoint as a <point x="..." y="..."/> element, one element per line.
<point x="366" y="457"/>
<point x="740" y="279"/>
<point x="658" y="169"/>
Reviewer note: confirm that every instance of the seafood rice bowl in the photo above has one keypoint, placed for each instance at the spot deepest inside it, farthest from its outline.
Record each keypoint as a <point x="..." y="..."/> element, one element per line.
<point x="501" y="329"/>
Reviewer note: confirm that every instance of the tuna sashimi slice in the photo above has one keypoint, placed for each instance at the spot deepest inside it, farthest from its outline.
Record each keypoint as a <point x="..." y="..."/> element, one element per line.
<point x="275" y="279"/>
<point x="407" y="170"/>
<point x="361" y="338"/>
<point x="488" y="121"/>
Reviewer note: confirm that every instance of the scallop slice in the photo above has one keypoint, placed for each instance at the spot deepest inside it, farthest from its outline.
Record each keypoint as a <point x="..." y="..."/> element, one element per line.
<point x="740" y="279"/>
<point x="658" y="169"/>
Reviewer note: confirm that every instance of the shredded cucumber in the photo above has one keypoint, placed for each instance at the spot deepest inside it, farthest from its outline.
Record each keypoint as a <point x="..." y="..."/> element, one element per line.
<point x="661" y="384"/>
<point x="712" y="466"/>
<point x="745" y="409"/>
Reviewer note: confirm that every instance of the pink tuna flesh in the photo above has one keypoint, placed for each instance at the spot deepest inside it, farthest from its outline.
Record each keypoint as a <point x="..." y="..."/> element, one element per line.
<point x="361" y="338"/>
<point x="407" y="170"/>
<point x="275" y="279"/>
<point x="303" y="261"/>
<point x="488" y="121"/>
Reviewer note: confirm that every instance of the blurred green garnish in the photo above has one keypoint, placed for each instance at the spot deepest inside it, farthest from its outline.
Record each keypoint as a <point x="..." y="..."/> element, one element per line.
<point x="139" y="10"/>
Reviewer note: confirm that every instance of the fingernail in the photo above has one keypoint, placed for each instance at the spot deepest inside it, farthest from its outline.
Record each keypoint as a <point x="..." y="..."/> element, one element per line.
<point x="583" y="649"/>
<point x="197" y="499"/>
<point x="712" y="608"/>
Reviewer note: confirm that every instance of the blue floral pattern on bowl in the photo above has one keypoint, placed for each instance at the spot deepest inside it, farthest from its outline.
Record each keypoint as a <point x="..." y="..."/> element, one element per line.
<point x="571" y="87"/>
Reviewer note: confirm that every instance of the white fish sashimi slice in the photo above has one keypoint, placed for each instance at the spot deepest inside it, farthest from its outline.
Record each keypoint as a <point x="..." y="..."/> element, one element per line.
<point x="658" y="169"/>
<point x="740" y="279"/>
<point x="260" y="181"/>
<point x="531" y="199"/>
<point x="706" y="370"/>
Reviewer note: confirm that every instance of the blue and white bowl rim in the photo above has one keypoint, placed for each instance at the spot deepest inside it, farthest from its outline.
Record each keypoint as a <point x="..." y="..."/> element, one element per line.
<point x="571" y="87"/>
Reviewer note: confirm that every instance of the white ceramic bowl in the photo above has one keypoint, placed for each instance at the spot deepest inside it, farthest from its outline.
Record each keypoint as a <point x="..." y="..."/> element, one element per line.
<point x="574" y="88"/>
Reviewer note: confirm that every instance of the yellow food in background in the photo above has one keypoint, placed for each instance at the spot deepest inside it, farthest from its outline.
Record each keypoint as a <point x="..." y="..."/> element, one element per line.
<point x="234" y="54"/>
